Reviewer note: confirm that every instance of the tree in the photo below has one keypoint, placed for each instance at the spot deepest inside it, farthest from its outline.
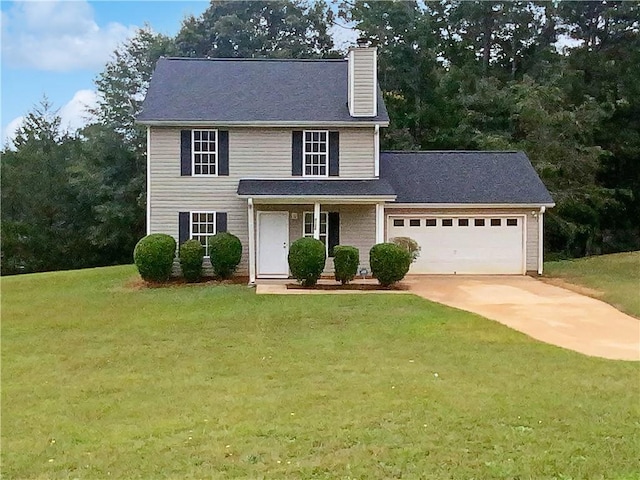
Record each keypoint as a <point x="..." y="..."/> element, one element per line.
<point x="39" y="229"/>
<point x="123" y="84"/>
<point x="274" y="29"/>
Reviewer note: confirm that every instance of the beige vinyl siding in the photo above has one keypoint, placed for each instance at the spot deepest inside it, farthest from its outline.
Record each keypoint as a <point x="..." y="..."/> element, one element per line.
<point x="364" y="76"/>
<point x="357" y="226"/>
<point x="253" y="153"/>
<point x="531" y="228"/>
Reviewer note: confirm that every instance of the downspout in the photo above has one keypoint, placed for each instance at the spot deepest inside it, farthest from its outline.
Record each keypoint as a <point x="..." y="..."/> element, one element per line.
<point x="148" y="180"/>
<point x="376" y="151"/>
<point x="541" y="239"/>
<point x="252" y="242"/>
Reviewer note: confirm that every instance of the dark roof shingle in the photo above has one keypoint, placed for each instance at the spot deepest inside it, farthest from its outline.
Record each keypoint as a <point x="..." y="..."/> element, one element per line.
<point x="456" y="177"/>
<point x="313" y="188"/>
<point x="250" y="90"/>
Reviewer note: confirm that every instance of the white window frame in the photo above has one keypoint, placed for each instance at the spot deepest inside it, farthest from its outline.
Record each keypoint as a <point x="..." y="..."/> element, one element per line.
<point x="211" y="153"/>
<point x="320" y="154"/>
<point x="193" y="235"/>
<point x="323" y="216"/>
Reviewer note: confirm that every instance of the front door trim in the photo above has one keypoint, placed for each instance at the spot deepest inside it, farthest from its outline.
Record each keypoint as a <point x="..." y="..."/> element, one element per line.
<point x="285" y="269"/>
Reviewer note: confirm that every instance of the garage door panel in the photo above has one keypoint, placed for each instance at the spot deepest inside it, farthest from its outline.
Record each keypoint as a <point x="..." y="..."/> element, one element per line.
<point x="465" y="249"/>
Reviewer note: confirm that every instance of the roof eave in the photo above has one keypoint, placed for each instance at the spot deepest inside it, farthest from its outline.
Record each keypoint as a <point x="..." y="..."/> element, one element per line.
<point x="473" y="205"/>
<point x="262" y="124"/>
<point x="351" y="199"/>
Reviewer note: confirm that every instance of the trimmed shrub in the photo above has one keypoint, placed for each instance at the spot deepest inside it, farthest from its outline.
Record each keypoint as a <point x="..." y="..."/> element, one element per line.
<point x="154" y="255"/>
<point x="191" y="255"/>
<point x="225" y="252"/>
<point x="307" y="257"/>
<point x="389" y="263"/>
<point x="410" y="245"/>
<point x="345" y="261"/>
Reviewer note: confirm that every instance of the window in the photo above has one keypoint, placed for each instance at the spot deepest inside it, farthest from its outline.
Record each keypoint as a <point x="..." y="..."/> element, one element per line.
<point x="316" y="153"/>
<point x="463" y="222"/>
<point x="479" y="222"/>
<point x="398" y="222"/>
<point x="414" y="223"/>
<point x="205" y="152"/>
<point x="203" y="226"/>
<point x="512" y="222"/>
<point x="447" y="222"/>
<point x="324" y="227"/>
<point x="431" y="222"/>
<point x="496" y="222"/>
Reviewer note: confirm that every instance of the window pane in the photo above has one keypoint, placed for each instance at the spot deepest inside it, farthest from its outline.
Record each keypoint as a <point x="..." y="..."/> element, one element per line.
<point x="196" y="135"/>
<point x="463" y="222"/>
<point x="398" y="222"/>
<point x="414" y="223"/>
<point x="496" y="222"/>
<point x="447" y="222"/>
<point x="431" y="222"/>
<point x="479" y="222"/>
<point x="512" y="222"/>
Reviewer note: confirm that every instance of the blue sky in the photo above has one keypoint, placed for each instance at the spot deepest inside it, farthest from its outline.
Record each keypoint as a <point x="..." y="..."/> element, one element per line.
<point x="57" y="48"/>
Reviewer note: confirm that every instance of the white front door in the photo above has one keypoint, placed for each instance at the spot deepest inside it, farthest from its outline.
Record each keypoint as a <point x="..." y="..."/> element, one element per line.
<point x="273" y="244"/>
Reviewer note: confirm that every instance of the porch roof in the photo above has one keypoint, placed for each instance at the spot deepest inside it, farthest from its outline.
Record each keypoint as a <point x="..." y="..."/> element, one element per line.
<point x="334" y="189"/>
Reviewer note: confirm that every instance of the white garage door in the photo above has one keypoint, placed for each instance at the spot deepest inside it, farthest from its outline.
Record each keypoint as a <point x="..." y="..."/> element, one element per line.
<point x="464" y="244"/>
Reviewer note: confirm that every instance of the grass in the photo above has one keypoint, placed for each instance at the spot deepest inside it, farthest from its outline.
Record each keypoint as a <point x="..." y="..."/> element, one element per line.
<point x="614" y="278"/>
<point x="100" y="380"/>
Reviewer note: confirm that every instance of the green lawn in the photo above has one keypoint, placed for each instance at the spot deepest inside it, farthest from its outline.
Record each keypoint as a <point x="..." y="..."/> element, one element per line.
<point x="615" y="278"/>
<point x="100" y="380"/>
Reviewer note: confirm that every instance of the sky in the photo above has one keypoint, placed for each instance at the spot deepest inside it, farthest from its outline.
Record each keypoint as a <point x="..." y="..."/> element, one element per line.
<point x="58" y="47"/>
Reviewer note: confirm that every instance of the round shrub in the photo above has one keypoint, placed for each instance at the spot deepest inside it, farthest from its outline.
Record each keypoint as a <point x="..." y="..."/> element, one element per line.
<point x="225" y="252"/>
<point x="345" y="261"/>
<point x="410" y="245"/>
<point x="154" y="255"/>
<point x="191" y="255"/>
<point x="389" y="263"/>
<point x="307" y="257"/>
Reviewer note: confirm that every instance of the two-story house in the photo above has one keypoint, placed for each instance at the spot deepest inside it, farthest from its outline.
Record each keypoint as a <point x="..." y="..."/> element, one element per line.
<point x="274" y="150"/>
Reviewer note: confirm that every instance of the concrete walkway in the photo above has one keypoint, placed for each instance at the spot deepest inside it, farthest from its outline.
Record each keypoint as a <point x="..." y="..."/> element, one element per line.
<point x="545" y="312"/>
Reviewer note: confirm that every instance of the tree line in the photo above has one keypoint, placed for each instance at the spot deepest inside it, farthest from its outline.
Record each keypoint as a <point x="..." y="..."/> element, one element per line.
<point x="560" y="81"/>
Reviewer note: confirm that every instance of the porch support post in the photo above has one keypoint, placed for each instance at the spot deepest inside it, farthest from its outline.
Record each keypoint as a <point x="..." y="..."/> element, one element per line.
<point x="252" y="241"/>
<point x="316" y="220"/>
<point x="379" y="222"/>
<point x="540" y="239"/>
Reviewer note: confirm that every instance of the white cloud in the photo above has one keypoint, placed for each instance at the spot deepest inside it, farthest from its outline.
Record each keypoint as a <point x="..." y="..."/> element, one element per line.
<point x="58" y="35"/>
<point x="9" y="133"/>
<point x="73" y="115"/>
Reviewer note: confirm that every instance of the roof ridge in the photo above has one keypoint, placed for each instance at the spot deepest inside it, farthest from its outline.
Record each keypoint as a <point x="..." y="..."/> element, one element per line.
<point x="232" y="59"/>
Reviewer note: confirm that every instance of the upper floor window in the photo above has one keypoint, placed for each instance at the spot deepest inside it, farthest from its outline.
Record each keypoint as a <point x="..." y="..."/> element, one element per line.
<point x="205" y="152"/>
<point x="316" y="153"/>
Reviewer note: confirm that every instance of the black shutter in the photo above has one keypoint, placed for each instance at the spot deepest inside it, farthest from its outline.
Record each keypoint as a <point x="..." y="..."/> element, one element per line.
<point x="221" y="222"/>
<point x="185" y="153"/>
<point x="296" y="154"/>
<point x="334" y="154"/>
<point x="184" y="224"/>
<point x="334" y="231"/>
<point x="223" y="152"/>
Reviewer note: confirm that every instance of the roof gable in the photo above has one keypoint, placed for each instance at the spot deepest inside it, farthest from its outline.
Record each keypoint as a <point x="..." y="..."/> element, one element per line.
<point x="460" y="177"/>
<point x="250" y="91"/>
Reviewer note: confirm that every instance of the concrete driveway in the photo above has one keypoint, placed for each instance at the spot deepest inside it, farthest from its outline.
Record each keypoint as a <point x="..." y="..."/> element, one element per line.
<point x="545" y="312"/>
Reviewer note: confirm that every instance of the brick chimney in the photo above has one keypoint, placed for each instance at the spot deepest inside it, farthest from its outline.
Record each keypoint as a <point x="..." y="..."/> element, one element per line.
<point x="363" y="79"/>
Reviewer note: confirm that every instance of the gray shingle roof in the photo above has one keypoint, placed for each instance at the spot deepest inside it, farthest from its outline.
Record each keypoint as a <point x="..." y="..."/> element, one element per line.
<point x="247" y="90"/>
<point x="463" y="177"/>
<point x="312" y="188"/>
